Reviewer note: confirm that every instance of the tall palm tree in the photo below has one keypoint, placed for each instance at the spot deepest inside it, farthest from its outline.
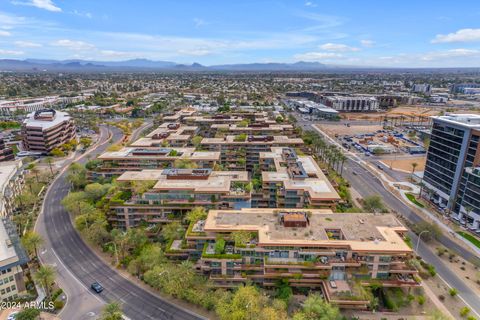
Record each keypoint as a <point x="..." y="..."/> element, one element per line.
<point x="414" y="165"/>
<point x="342" y="158"/>
<point x="45" y="275"/>
<point x="31" y="241"/>
<point x="49" y="161"/>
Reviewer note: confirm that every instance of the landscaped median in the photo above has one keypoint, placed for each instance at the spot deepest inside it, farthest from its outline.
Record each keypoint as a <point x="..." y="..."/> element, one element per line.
<point x="413" y="199"/>
<point x="470" y="238"/>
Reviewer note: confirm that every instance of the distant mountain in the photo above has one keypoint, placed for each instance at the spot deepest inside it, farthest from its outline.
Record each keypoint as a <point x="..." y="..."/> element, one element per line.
<point x="145" y="64"/>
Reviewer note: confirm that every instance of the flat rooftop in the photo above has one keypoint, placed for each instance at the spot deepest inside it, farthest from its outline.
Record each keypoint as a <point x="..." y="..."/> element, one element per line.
<point x="316" y="183"/>
<point x="60" y="117"/>
<point x="7" y="171"/>
<point x="231" y="140"/>
<point x="160" y="153"/>
<point x="467" y="120"/>
<point x="268" y="127"/>
<point x="217" y="181"/>
<point x="175" y="133"/>
<point x="361" y="231"/>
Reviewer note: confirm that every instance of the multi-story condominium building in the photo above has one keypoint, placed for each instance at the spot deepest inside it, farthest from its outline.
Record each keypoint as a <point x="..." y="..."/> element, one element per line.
<point x="422" y="88"/>
<point x="461" y="87"/>
<point x="351" y="103"/>
<point x="13" y="262"/>
<point x="46" y="129"/>
<point x="180" y="115"/>
<point x="114" y="163"/>
<point x="171" y="134"/>
<point x="174" y="192"/>
<point x="450" y="176"/>
<point x="205" y="123"/>
<point x="242" y="151"/>
<point x="11" y="183"/>
<point x="314" y="248"/>
<point x="256" y="128"/>
<point x="6" y="153"/>
<point x="291" y="181"/>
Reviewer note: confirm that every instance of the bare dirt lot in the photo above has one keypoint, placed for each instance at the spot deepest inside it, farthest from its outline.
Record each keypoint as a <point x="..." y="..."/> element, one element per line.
<point x="406" y="164"/>
<point x="341" y="130"/>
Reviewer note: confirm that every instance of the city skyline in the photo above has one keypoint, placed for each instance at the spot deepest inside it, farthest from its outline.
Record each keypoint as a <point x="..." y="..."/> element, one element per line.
<point x="375" y="34"/>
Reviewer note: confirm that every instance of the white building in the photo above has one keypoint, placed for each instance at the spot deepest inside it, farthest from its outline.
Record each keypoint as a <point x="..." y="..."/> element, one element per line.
<point x="351" y="103"/>
<point x="11" y="183"/>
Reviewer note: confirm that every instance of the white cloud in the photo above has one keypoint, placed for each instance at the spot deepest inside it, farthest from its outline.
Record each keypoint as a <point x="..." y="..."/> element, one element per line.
<point x="82" y="14"/>
<point x="27" y="44"/>
<point x="11" y="52"/>
<point x="462" y="35"/>
<point x="199" y="22"/>
<point x="4" y="33"/>
<point x="310" y="4"/>
<point x="448" y="54"/>
<point x="337" y="47"/>
<point x="41" y="4"/>
<point x="315" y="56"/>
<point x="367" y="43"/>
<point x="73" y="45"/>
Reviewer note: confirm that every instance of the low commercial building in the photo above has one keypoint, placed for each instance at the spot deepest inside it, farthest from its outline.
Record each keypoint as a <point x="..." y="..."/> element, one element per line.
<point x="313" y="248"/>
<point x="173" y="192"/>
<point x="241" y="152"/>
<point x="46" y="129"/>
<point x="13" y="263"/>
<point x="113" y="163"/>
<point x="11" y="184"/>
<point x="180" y="115"/>
<point x="292" y="181"/>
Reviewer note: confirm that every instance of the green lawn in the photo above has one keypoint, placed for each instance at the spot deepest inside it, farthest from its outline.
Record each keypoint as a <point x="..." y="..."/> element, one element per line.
<point x="412" y="198"/>
<point x="470" y="238"/>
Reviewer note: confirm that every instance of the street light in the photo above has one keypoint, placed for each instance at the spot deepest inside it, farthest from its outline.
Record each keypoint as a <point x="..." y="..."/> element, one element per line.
<point x="418" y="240"/>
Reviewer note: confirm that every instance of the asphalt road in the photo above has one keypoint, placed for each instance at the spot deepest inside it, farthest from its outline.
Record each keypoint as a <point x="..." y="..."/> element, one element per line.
<point x="79" y="266"/>
<point x="366" y="184"/>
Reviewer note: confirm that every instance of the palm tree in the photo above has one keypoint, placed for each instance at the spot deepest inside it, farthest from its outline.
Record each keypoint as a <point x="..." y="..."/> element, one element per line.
<point x="33" y="168"/>
<point x="112" y="311"/>
<point x="49" y="161"/>
<point x="45" y="275"/>
<point x="31" y="241"/>
<point x="414" y="165"/>
<point x="342" y="158"/>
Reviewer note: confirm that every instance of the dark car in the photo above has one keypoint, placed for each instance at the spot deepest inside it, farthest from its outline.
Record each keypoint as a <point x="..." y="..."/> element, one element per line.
<point x="96" y="287"/>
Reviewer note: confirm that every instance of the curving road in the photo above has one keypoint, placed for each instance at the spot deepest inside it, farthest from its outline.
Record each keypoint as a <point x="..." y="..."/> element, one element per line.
<point x="78" y="266"/>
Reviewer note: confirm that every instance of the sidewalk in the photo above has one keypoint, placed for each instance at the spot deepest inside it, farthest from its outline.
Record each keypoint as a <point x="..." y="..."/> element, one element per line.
<point x="389" y="185"/>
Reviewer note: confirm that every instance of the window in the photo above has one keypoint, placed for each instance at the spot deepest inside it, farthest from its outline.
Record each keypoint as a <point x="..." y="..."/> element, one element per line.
<point x="2" y="291"/>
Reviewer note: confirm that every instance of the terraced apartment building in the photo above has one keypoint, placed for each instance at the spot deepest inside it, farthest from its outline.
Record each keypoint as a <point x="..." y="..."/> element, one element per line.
<point x="46" y="129"/>
<point x="313" y="248"/>
<point x="292" y="181"/>
<point x="242" y="151"/>
<point x="114" y="163"/>
<point x="170" y="193"/>
<point x="171" y="134"/>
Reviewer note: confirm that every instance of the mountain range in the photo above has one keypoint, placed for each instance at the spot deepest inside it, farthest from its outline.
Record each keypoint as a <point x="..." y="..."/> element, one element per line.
<point x="146" y="65"/>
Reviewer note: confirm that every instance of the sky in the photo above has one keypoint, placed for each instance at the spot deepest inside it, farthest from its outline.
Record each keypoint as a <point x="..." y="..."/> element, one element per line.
<point x="383" y="33"/>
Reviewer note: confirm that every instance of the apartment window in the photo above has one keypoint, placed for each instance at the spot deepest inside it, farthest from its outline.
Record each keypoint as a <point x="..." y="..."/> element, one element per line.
<point x="8" y="289"/>
<point x="13" y="287"/>
<point x="5" y="280"/>
<point x="2" y="291"/>
<point x="11" y="278"/>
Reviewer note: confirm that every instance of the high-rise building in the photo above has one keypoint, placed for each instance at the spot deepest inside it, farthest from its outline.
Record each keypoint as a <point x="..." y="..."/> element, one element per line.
<point x="46" y="129"/>
<point x="452" y="168"/>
